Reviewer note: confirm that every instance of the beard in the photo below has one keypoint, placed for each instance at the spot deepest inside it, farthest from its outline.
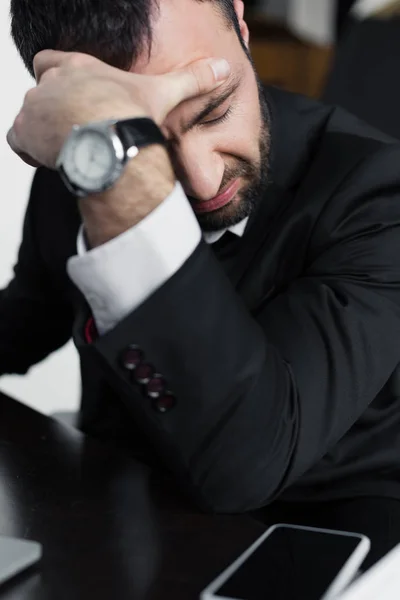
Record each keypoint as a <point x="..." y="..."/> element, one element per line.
<point x="256" y="175"/>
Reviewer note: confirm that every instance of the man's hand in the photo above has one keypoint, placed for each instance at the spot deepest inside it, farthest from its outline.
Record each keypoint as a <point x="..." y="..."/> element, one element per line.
<point x="75" y="88"/>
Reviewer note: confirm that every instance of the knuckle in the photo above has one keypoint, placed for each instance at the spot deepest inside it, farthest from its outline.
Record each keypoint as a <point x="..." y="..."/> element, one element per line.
<point x="11" y="138"/>
<point x="74" y="61"/>
<point x="50" y="74"/>
<point x="15" y="130"/>
<point x="29" y="95"/>
<point x="79" y="61"/>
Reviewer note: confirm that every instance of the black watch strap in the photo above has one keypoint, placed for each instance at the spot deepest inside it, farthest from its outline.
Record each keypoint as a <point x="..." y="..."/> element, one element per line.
<point x="139" y="132"/>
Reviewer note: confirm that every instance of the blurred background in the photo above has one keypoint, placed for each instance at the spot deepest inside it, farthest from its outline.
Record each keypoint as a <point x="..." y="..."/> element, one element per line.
<point x="344" y="52"/>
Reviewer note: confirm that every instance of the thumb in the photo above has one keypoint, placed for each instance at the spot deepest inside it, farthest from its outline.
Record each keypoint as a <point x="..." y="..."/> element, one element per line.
<point x="201" y="77"/>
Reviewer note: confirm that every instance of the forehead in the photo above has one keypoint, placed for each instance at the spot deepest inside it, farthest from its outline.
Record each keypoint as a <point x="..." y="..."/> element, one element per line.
<point x="184" y="31"/>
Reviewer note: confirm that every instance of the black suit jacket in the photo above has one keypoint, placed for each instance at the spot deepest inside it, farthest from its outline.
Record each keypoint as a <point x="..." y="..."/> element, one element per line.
<point x="279" y="347"/>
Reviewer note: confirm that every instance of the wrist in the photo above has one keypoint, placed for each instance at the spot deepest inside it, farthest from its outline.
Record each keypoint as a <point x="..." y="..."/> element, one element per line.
<point x="145" y="183"/>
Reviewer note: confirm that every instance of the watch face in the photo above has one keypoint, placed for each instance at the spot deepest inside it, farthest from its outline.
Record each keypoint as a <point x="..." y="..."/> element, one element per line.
<point x="90" y="160"/>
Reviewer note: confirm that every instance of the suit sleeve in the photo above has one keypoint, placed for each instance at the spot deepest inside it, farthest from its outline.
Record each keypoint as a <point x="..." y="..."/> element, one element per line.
<point x="150" y="252"/>
<point x="255" y="401"/>
<point x="34" y="320"/>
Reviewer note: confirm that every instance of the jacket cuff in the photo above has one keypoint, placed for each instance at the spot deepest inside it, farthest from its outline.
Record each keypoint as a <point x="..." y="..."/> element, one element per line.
<point x="117" y="277"/>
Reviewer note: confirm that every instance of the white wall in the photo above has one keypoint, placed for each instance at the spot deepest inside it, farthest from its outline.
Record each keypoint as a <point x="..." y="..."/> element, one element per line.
<point x="54" y="384"/>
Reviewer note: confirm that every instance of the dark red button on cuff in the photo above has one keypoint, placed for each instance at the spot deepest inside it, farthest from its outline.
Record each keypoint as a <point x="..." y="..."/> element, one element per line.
<point x="164" y="403"/>
<point x="156" y="386"/>
<point x="132" y="358"/>
<point x="143" y="373"/>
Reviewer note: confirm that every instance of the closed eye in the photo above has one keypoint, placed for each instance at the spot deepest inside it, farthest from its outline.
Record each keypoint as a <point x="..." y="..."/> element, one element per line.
<point x="221" y="119"/>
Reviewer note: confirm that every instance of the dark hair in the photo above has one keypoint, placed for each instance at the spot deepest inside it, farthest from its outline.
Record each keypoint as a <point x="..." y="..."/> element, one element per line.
<point x="115" y="31"/>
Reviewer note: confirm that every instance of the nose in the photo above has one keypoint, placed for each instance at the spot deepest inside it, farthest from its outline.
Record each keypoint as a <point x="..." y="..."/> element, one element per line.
<point x="199" y="169"/>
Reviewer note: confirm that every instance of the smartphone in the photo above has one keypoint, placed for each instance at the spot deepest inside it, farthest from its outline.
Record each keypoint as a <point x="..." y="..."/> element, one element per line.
<point x="292" y="562"/>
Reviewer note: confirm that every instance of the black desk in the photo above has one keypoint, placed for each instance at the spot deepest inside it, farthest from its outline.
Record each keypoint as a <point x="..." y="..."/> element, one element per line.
<point x="109" y="529"/>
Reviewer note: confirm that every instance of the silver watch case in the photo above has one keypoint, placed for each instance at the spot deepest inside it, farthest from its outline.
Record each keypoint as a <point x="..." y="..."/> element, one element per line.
<point x="122" y="156"/>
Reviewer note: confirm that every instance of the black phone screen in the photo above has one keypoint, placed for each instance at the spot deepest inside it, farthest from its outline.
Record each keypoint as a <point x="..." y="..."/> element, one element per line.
<point x="291" y="564"/>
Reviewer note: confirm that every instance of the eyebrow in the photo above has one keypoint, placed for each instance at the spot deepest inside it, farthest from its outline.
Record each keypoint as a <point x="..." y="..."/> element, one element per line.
<point x="213" y="103"/>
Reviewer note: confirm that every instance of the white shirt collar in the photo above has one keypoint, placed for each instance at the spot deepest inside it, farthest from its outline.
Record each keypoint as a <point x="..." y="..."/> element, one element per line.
<point x="213" y="236"/>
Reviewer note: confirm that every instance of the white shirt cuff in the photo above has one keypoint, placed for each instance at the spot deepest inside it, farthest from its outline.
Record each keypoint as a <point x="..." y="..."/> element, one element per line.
<point x="117" y="277"/>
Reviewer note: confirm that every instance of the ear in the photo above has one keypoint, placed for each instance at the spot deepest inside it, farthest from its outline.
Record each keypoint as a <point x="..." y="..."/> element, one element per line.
<point x="244" y="30"/>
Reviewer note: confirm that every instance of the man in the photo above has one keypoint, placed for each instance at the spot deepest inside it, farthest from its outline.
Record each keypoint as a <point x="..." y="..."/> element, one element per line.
<point x="240" y="327"/>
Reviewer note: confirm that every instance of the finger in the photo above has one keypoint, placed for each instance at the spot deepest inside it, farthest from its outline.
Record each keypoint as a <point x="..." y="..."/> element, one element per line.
<point x="12" y="142"/>
<point x="51" y="73"/>
<point x="201" y="77"/>
<point x="47" y="59"/>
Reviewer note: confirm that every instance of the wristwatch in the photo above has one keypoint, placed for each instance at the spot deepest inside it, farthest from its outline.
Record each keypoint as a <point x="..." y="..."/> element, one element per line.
<point x="94" y="155"/>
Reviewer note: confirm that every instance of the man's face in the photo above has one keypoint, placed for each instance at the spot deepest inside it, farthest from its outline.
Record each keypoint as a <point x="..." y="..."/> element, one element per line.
<point x="228" y="148"/>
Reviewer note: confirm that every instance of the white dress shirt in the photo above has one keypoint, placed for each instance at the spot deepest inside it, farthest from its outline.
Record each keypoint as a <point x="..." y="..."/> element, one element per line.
<point x="118" y="276"/>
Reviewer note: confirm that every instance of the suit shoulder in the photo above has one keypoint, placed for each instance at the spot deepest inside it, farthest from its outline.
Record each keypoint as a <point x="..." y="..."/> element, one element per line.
<point x="307" y="136"/>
